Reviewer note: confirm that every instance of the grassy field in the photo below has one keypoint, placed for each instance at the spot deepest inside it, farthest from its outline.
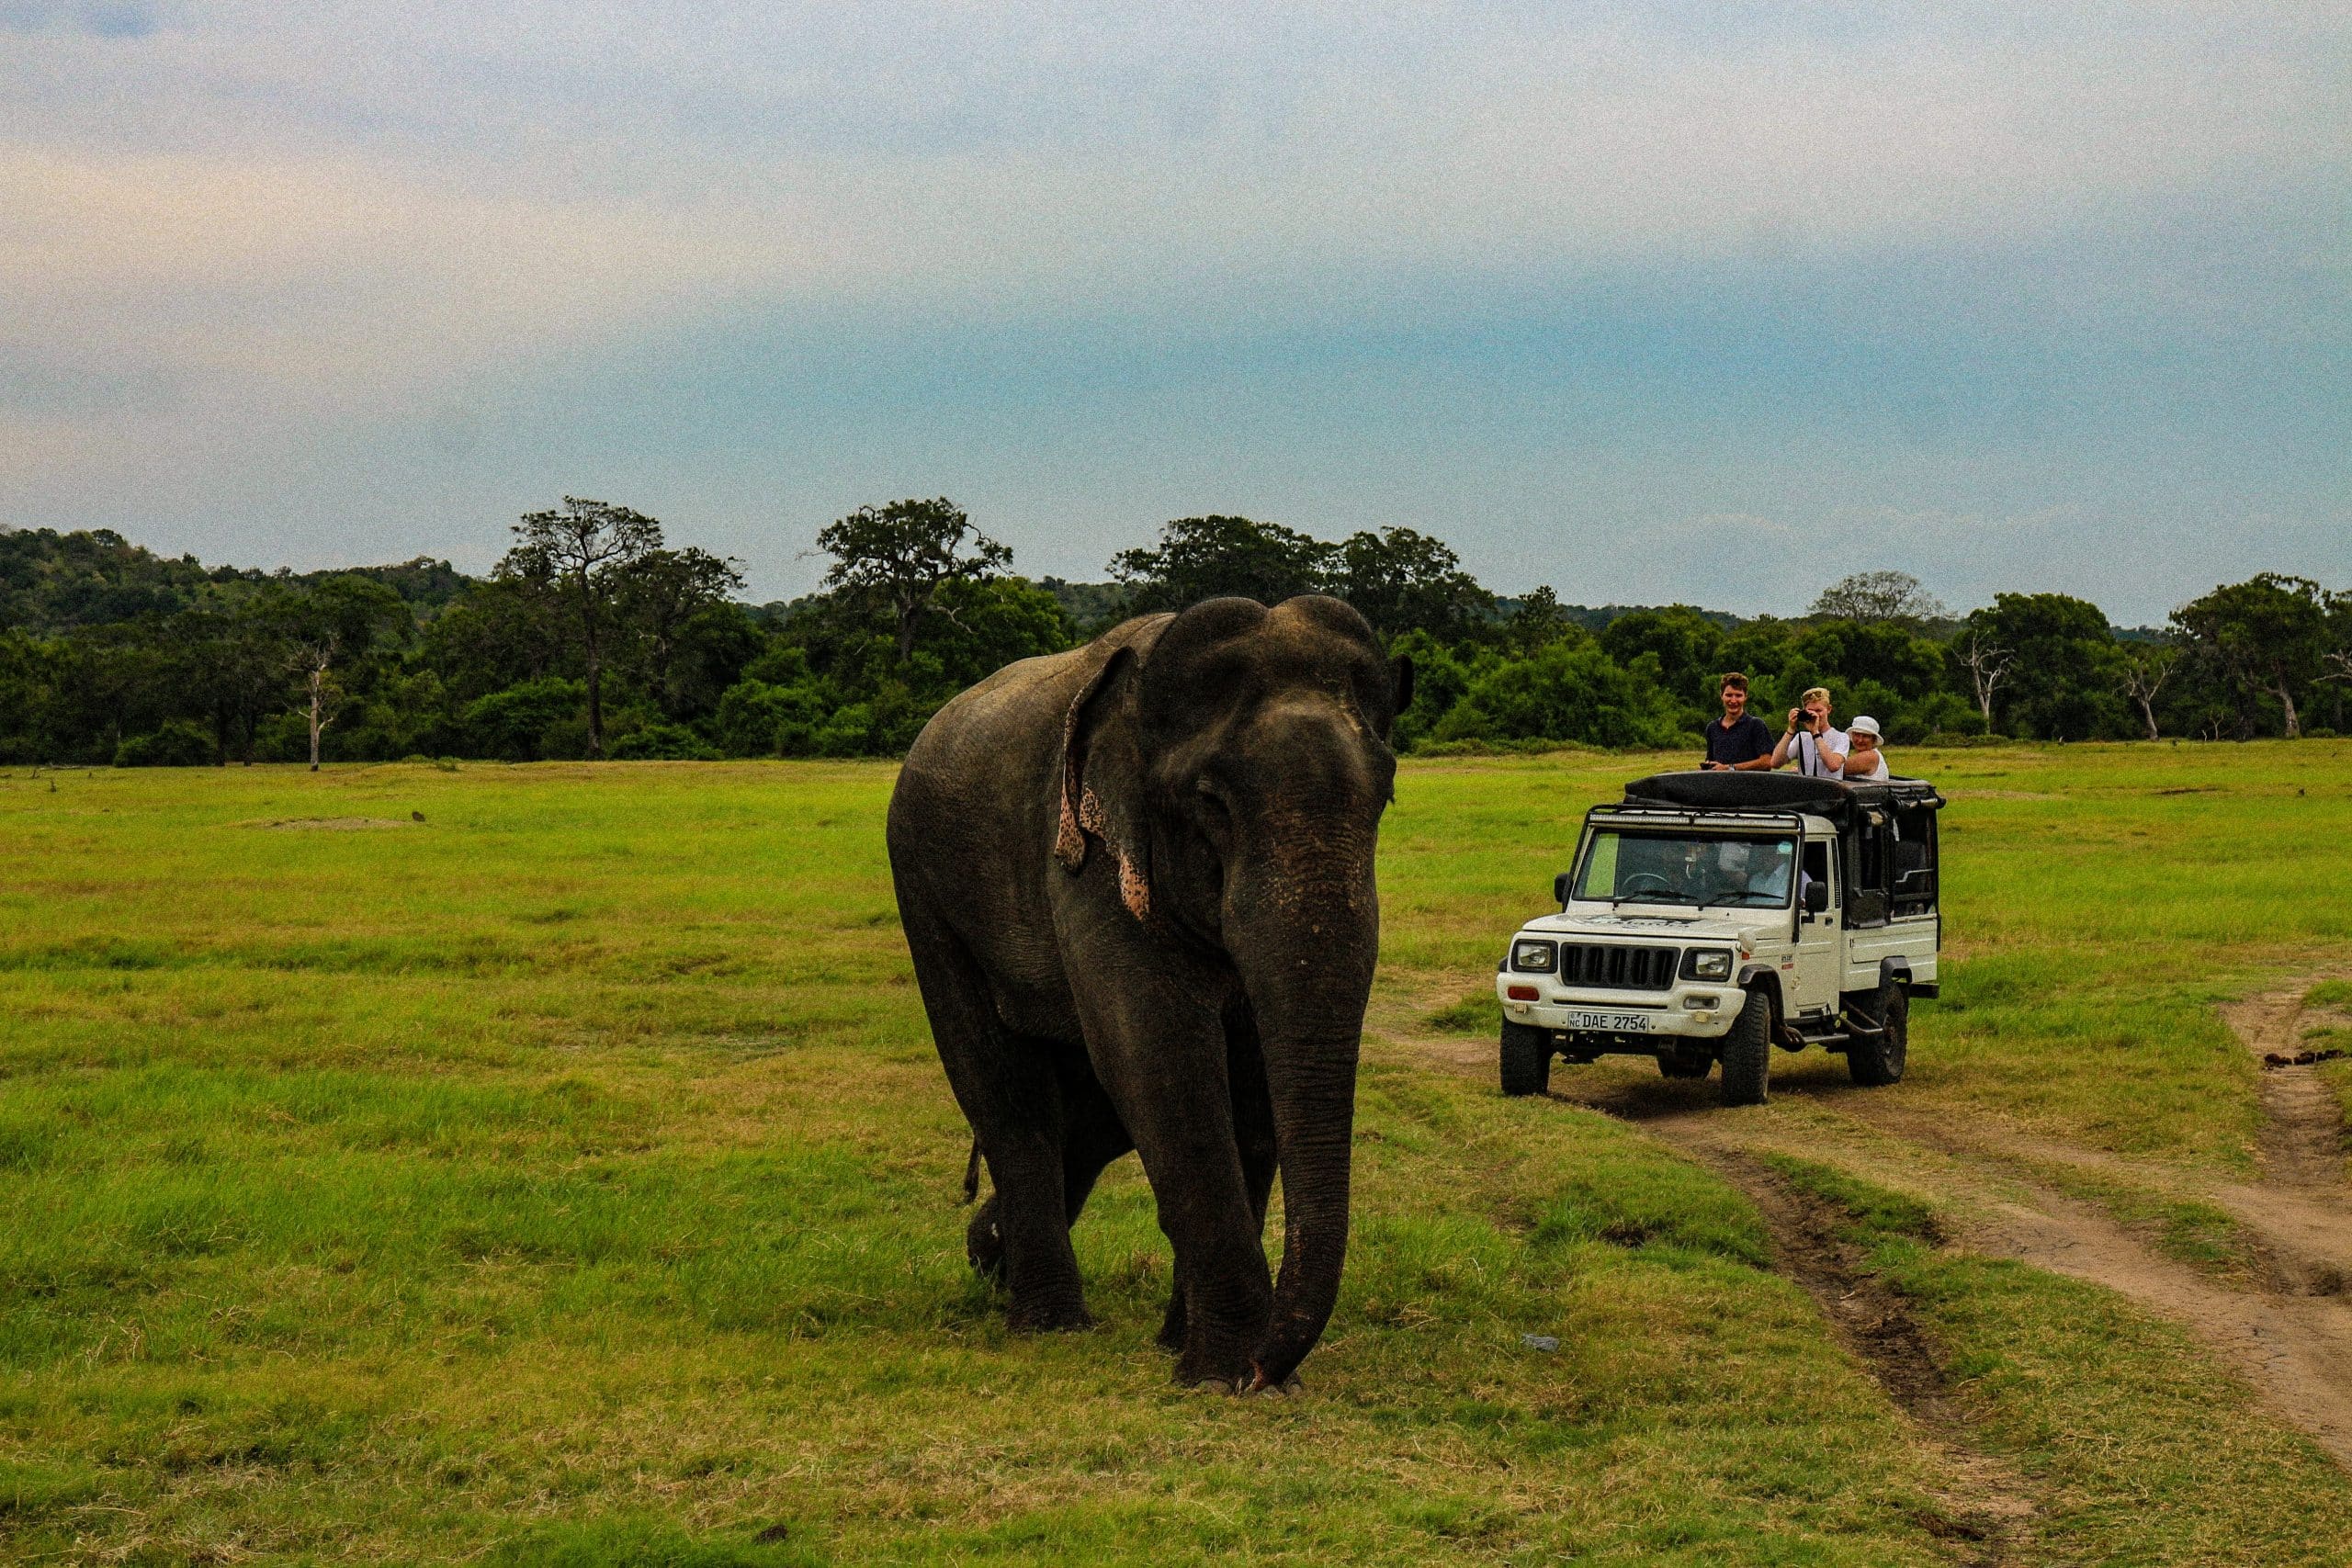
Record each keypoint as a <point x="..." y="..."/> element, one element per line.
<point x="549" y="1164"/>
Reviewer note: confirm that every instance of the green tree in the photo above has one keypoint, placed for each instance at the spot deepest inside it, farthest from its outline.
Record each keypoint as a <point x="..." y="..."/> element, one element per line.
<point x="1539" y="622"/>
<point x="584" y="551"/>
<point x="656" y="602"/>
<point x="1686" y="643"/>
<point x="2060" y="680"/>
<point x="2269" y="634"/>
<point x="1871" y="596"/>
<point x="899" y="556"/>
<point x="1402" y="580"/>
<point x="506" y="631"/>
<point x="1210" y="557"/>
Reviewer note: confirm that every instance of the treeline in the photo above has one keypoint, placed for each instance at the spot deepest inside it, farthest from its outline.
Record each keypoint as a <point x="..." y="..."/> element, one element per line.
<point x="594" y="638"/>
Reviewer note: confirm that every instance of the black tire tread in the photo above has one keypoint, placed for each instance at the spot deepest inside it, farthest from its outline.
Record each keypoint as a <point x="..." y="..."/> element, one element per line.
<point x="1876" y="1061"/>
<point x="1526" y="1059"/>
<point x="1748" y="1052"/>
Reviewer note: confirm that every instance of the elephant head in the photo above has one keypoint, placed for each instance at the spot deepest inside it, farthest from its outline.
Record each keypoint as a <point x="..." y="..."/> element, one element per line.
<point x="1237" y="766"/>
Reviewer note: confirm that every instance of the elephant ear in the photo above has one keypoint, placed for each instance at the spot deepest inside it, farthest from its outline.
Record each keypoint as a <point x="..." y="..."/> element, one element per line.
<point x="1401" y="696"/>
<point x="1082" y="814"/>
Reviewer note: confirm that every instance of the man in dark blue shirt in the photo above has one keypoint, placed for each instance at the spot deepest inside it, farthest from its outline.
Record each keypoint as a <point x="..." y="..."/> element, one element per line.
<point x="1740" y="741"/>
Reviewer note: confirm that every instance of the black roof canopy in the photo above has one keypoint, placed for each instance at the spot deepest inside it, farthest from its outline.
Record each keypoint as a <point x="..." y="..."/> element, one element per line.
<point x="1781" y="793"/>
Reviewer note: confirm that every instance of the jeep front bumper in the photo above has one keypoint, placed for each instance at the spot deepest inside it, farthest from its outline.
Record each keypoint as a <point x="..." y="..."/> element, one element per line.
<point x="1699" y="1010"/>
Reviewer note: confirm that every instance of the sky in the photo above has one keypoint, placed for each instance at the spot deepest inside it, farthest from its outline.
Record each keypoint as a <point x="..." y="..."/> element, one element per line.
<point x="1671" y="302"/>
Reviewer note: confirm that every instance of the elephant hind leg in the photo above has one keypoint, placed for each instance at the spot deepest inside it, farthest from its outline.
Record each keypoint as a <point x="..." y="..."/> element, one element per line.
<point x="1012" y="1093"/>
<point x="1092" y="1139"/>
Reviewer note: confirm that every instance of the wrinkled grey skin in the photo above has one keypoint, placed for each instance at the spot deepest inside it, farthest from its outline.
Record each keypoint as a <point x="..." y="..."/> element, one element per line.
<point x="1137" y="882"/>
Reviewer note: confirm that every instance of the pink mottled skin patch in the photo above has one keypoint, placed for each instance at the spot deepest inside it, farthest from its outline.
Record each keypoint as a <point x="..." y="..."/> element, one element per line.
<point x="1134" y="891"/>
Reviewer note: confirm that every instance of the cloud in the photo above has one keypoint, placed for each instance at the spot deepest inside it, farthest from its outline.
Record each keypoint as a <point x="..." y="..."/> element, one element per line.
<point x="1697" y="259"/>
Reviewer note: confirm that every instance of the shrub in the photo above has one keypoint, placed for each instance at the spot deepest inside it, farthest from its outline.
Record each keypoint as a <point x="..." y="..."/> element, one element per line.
<point x="662" y="742"/>
<point x="523" y="723"/>
<point x="760" y="718"/>
<point x="178" y="744"/>
<point x="1565" y="692"/>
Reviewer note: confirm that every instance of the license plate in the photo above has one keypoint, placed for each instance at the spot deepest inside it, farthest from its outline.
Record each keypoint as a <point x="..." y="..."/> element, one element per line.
<point x="1611" y="1022"/>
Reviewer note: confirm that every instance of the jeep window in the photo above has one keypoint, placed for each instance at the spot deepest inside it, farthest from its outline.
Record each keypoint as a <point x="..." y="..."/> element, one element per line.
<point x="1734" y="870"/>
<point x="1911" y="848"/>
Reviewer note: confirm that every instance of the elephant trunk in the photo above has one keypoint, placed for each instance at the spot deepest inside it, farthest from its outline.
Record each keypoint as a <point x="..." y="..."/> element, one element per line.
<point x="1306" y="949"/>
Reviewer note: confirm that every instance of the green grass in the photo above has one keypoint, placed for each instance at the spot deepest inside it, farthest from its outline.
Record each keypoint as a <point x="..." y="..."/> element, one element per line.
<point x="569" y="1178"/>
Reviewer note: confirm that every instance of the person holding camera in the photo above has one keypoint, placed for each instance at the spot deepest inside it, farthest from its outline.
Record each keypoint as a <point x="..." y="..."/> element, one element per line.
<point x="1816" y="747"/>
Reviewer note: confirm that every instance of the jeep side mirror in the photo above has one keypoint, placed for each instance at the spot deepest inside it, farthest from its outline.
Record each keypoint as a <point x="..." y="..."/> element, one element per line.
<point x="1560" y="890"/>
<point x="1816" y="898"/>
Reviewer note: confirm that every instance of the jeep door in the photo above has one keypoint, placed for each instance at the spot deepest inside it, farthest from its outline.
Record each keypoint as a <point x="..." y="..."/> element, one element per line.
<point x="1810" y="987"/>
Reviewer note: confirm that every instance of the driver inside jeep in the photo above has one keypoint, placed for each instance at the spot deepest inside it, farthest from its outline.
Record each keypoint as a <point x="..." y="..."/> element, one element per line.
<point x="1735" y="872"/>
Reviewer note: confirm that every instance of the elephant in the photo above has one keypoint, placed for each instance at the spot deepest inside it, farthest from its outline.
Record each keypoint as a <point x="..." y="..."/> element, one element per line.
<point x="1137" y="879"/>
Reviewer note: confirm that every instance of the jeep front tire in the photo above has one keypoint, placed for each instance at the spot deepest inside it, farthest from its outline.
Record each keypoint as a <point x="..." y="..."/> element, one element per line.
<point x="1747" y="1051"/>
<point x="1876" y="1060"/>
<point x="1527" y="1058"/>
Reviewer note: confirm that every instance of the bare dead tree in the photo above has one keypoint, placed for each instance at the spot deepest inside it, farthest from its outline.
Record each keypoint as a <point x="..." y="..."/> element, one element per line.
<point x="314" y="659"/>
<point x="1987" y="662"/>
<point x="2143" y="671"/>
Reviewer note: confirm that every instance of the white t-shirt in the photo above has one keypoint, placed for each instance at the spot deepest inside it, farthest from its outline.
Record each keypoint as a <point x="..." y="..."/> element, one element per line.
<point x="1809" y="753"/>
<point x="1877" y="774"/>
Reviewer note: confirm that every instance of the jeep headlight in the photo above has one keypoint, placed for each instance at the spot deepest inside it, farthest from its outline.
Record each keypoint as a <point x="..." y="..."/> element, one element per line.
<point x="1707" y="964"/>
<point x="1534" y="957"/>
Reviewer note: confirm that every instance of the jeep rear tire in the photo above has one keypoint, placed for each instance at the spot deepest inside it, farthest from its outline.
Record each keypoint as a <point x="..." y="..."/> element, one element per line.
<point x="1747" y="1051"/>
<point x="1685" y="1065"/>
<point x="1876" y="1060"/>
<point x="1527" y="1058"/>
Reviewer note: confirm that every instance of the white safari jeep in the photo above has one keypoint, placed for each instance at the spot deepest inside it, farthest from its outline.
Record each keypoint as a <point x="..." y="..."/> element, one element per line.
<point x="1712" y="916"/>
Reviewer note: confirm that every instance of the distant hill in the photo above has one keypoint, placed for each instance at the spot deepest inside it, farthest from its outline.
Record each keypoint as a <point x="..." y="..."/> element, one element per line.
<point x="51" y="582"/>
<point x="1596" y="618"/>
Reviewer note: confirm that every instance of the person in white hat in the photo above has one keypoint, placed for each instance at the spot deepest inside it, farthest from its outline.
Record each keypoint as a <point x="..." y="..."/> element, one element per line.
<point x="1864" y="761"/>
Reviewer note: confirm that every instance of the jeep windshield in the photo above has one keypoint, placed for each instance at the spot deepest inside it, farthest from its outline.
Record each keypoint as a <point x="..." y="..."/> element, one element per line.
<point x="1737" y="870"/>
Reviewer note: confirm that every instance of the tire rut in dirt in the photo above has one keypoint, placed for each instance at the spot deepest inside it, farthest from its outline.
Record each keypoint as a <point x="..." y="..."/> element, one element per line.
<point x="2302" y="1124"/>
<point x="1985" y="1510"/>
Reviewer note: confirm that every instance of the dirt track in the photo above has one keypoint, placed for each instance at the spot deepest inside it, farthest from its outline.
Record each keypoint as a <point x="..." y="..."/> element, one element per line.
<point x="2283" y="1320"/>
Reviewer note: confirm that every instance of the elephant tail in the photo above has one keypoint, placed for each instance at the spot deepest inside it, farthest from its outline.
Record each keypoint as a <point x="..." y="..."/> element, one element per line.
<point x="972" y="1171"/>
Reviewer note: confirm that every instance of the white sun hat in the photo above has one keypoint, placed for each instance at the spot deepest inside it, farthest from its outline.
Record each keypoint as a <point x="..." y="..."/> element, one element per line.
<point x="1865" y="725"/>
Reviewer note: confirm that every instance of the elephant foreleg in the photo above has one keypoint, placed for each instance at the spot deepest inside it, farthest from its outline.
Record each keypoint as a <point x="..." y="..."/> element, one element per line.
<point x="1157" y="1053"/>
<point x="1253" y="1132"/>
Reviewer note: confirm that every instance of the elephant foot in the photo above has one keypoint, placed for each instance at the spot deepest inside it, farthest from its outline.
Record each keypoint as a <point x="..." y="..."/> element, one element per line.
<point x="1231" y="1375"/>
<point x="1216" y="1385"/>
<point x="1060" y="1317"/>
<point x="1288" y="1386"/>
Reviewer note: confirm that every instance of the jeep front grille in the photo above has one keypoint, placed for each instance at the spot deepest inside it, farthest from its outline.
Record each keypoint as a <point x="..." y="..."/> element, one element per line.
<point x="1617" y="968"/>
